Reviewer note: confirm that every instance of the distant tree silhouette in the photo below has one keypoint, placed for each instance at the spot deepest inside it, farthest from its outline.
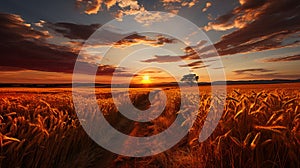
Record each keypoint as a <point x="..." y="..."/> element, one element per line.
<point x="190" y="79"/>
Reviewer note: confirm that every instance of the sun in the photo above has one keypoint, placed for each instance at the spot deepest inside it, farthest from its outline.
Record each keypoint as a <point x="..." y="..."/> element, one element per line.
<point x="146" y="79"/>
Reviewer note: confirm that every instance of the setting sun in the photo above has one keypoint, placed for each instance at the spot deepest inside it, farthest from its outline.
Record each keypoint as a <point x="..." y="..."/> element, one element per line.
<point x="146" y="79"/>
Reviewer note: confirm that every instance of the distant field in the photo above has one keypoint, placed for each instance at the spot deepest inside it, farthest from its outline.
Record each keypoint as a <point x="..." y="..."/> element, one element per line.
<point x="11" y="90"/>
<point x="260" y="127"/>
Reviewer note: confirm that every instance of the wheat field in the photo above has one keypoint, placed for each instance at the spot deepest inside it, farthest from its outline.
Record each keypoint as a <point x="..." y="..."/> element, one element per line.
<point x="260" y="127"/>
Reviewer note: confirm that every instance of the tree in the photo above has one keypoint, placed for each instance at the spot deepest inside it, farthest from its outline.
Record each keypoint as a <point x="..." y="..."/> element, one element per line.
<point x="190" y="79"/>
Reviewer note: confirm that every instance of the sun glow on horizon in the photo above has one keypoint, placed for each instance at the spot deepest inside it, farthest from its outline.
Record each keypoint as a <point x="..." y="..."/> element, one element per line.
<point x="146" y="79"/>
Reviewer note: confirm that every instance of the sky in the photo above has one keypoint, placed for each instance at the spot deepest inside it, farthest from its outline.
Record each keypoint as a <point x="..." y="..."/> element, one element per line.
<point x="42" y="41"/>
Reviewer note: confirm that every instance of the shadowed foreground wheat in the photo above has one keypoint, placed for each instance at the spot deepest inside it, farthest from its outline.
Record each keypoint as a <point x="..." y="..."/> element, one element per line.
<point x="257" y="129"/>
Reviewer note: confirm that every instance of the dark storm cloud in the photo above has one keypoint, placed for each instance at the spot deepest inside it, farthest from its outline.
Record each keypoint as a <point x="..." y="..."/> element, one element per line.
<point x="283" y="59"/>
<point x="22" y="48"/>
<point x="261" y="25"/>
<point x="74" y="31"/>
<point x="13" y="29"/>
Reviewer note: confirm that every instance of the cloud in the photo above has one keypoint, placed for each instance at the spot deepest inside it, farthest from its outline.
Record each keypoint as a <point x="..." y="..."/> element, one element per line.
<point x="201" y="50"/>
<point x="76" y="35"/>
<point x="200" y="67"/>
<point x="182" y="3"/>
<point x="252" y="70"/>
<point x="125" y="7"/>
<point x="73" y="31"/>
<point x="24" y="48"/>
<point x="191" y="49"/>
<point x="207" y="5"/>
<point x="147" y="18"/>
<point x="131" y="7"/>
<point x="242" y="15"/>
<point x="13" y="28"/>
<point x="135" y="39"/>
<point x="199" y="63"/>
<point x="283" y="59"/>
<point x="128" y="7"/>
<point x="94" y="6"/>
<point x="169" y="58"/>
<point x="259" y="25"/>
<point x="28" y="49"/>
<point x="196" y="63"/>
<point x="110" y="70"/>
<point x="132" y="4"/>
<point x="261" y="73"/>
<point x="164" y="59"/>
<point x="110" y="3"/>
<point x="38" y="56"/>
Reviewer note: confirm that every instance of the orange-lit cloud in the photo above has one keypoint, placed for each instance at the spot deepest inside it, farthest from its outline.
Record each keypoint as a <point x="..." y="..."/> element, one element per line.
<point x="14" y="28"/>
<point x="182" y="3"/>
<point x="283" y="59"/>
<point x="126" y="7"/>
<point x="260" y="25"/>
<point x="241" y="16"/>
<point x="94" y="6"/>
<point x="200" y="51"/>
<point x="130" y="7"/>
<point x="207" y="5"/>
<point x="170" y="1"/>
<point x="164" y="59"/>
<point x="147" y="18"/>
<point x="252" y="70"/>
<point x="262" y="73"/>
<point x="199" y="63"/>
<point x="135" y="39"/>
